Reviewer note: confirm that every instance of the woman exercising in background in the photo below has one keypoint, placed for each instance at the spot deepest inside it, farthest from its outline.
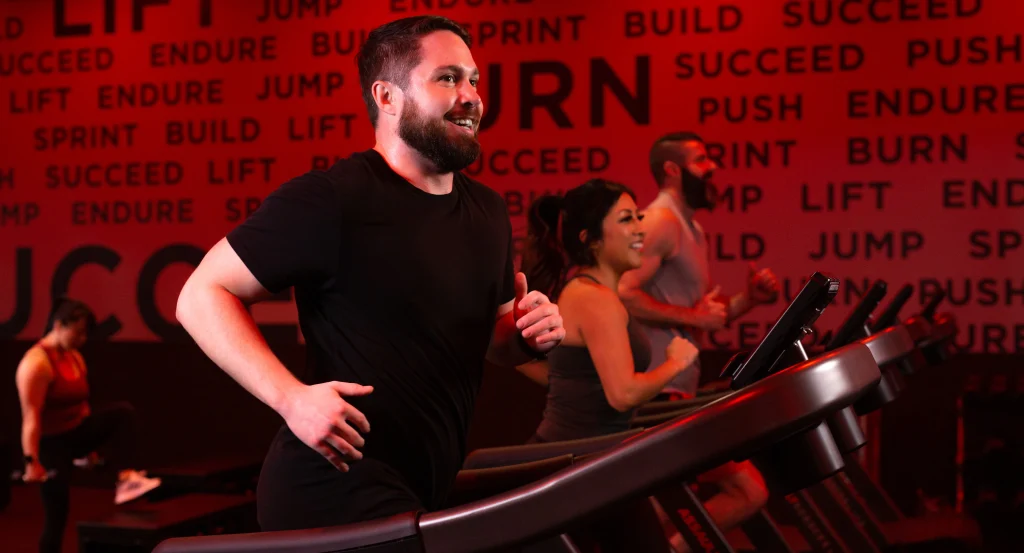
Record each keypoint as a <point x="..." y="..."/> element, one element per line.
<point x="596" y="377"/>
<point x="58" y="425"/>
<point x="577" y="249"/>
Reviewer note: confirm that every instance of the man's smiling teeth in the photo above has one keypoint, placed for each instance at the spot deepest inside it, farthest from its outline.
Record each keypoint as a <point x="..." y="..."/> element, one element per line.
<point x="463" y="122"/>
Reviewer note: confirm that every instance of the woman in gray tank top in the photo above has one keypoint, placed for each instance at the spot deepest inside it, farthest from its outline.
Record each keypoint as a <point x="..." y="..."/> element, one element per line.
<point x="577" y="249"/>
<point x="596" y="376"/>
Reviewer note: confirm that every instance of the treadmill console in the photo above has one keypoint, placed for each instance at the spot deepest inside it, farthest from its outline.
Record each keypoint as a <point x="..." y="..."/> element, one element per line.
<point x="805" y="308"/>
<point x="853" y="327"/>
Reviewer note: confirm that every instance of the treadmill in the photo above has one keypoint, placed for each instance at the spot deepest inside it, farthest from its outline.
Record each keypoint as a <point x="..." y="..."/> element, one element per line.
<point x="822" y="522"/>
<point x="853" y="494"/>
<point x="932" y="331"/>
<point x="820" y="458"/>
<point x="776" y="408"/>
<point x="838" y="513"/>
<point x="850" y="511"/>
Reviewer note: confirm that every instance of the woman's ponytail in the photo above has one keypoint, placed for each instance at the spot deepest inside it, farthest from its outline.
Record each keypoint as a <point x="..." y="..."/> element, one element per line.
<point x="545" y="263"/>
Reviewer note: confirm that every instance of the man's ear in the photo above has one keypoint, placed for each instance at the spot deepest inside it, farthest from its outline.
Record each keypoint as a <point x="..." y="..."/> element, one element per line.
<point x="671" y="169"/>
<point x="387" y="96"/>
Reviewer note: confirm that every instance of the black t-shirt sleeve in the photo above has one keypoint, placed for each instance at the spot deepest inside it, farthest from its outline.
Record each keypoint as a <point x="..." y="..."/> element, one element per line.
<point x="294" y="235"/>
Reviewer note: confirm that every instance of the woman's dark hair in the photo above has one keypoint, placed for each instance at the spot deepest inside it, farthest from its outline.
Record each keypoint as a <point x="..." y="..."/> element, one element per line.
<point x="550" y="252"/>
<point x="67" y="311"/>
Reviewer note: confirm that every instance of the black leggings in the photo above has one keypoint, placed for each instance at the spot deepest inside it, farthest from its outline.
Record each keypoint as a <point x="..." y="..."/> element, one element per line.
<point x="115" y="428"/>
<point x="629" y="527"/>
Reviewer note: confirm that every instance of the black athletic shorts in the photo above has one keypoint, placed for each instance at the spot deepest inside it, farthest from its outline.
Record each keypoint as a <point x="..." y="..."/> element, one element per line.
<point x="299" y="489"/>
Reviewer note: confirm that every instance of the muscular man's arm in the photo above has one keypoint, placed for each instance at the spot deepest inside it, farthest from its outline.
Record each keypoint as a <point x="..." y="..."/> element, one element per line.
<point x="660" y="242"/>
<point x="737" y="306"/>
<point x="212" y="308"/>
<point x="761" y="286"/>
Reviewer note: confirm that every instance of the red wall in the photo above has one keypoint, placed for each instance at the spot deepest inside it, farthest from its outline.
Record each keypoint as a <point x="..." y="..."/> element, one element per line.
<point x="828" y="130"/>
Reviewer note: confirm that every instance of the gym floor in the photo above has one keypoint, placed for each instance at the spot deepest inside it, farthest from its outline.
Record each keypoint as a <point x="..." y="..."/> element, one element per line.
<point x="21" y="523"/>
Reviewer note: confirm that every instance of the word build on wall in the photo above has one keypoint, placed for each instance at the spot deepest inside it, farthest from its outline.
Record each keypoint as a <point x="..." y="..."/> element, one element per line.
<point x="864" y="139"/>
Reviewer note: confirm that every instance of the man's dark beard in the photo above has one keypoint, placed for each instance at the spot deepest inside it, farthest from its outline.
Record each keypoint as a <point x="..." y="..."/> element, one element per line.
<point x="430" y="138"/>
<point x="699" y="193"/>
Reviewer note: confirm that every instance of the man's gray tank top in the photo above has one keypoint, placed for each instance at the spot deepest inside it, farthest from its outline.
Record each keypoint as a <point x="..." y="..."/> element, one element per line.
<point x="683" y="279"/>
<point x="576" y="405"/>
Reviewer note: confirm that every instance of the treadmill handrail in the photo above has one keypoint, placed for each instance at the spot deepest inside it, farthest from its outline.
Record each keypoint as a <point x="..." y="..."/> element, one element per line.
<point x="655" y="419"/>
<point x="890" y="345"/>
<point x="886" y="346"/>
<point x="804" y="394"/>
<point x="653" y="407"/>
<point x="315" y="540"/>
<point x="945" y="327"/>
<point x="760" y="415"/>
<point x="919" y="327"/>
<point x="474" y="484"/>
<point x="527" y="453"/>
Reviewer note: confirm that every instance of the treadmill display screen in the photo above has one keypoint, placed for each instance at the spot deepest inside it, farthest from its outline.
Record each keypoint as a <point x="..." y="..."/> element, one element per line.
<point x="855" y="321"/>
<point x="805" y="308"/>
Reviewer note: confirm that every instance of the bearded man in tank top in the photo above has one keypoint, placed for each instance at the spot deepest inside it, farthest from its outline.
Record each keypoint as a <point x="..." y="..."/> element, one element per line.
<point x="671" y="293"/>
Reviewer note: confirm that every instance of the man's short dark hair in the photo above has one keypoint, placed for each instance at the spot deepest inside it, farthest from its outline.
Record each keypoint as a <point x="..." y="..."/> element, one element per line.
<point x="392" y="50"/>
<point x="663" y="150"/>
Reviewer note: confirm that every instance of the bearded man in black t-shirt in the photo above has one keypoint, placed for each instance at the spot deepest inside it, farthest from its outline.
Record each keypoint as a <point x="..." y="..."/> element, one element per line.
<point x="402" y="269"/>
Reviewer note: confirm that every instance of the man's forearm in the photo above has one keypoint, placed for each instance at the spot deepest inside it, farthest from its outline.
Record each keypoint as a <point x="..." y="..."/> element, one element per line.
<point x="507" y="349"/>
<point x="222" y="327"/>
<point x="739" y="305"/>
<point x="655" y="313"/>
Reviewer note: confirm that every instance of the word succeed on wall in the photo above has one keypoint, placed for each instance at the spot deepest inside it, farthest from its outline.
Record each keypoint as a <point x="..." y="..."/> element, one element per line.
<point x="865" y="139"/>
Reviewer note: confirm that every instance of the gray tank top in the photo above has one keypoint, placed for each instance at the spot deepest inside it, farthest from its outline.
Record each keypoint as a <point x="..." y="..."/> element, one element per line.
<point x="576" y="405"/>
<point x="682" y="279"/>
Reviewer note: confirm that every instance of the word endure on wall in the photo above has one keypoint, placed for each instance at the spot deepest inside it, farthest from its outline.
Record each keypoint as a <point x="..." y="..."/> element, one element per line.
<point x="868" y="139"/>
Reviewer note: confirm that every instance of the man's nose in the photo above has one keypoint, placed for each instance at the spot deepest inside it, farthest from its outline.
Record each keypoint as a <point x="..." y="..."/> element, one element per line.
<point x="468" y="96"/>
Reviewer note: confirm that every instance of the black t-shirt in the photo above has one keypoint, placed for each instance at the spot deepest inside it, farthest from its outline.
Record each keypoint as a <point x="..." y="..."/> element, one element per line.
<point x="396" y="288"/>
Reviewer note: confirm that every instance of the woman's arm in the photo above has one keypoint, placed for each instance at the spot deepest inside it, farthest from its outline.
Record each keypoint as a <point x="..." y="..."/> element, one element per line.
<point x="603" y="321"/>
<point x="32" y="378"/>
<point x="536" y="371"/>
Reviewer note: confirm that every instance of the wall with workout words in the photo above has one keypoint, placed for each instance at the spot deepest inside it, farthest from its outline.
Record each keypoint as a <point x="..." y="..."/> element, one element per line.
<point x="869" y="139"/>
